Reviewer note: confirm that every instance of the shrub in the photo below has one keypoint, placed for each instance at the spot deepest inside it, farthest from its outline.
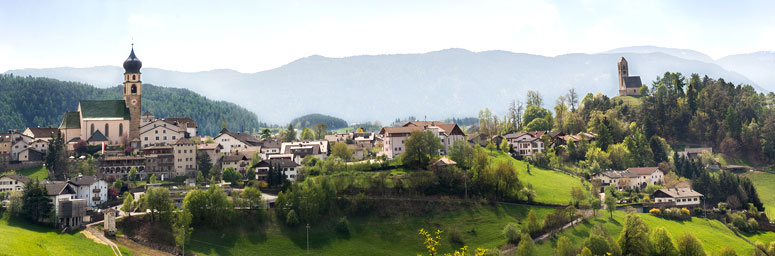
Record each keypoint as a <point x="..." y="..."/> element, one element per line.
<point x="292" y="219"/>
<point x="655" y="211"/>
<point x="511" y="233"/>
<point x="685" y="211"/>
<point x="753" y="225"/>
<point x="343" y="226"/>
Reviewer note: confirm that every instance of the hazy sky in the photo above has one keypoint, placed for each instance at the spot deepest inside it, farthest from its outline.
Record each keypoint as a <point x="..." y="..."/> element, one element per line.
<point x="253" y="36"/>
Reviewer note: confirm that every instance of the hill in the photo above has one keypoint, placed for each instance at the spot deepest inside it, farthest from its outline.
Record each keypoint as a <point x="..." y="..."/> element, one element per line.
<point x="41" y="102"/>
<point x="757" y="66"/>
<point x="22" y="238"/>
<point x="765" y="188"/>
<point x="311" y="120"/>
<point x="434" y="85"/>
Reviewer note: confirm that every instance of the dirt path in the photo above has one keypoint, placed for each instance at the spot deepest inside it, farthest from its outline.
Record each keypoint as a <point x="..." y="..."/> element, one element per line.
<point x="584" y="214"/>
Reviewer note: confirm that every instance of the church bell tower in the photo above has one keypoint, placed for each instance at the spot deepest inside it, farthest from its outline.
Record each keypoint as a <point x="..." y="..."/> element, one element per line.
<point x="623" y="73"/>
<point x="133" y="92"/>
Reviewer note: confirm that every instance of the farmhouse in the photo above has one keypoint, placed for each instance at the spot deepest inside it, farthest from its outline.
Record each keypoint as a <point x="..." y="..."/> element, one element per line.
<point x="393" y="137"/>
<point x="12" y="182"/>
<point x="680" y="197"/>
<point x="91" y="189"/>
<point x="528" y="143"/>
<point x="638" y="177"/>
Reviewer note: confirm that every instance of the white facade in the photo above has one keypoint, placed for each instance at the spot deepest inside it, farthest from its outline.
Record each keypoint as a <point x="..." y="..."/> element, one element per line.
<point x="10" y="184"/>
<point x="157" y="134"/>
<point x="94" y="194"/>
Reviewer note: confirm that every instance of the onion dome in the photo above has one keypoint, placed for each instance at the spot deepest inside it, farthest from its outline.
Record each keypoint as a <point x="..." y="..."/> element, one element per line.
<point x="132" y="64"/>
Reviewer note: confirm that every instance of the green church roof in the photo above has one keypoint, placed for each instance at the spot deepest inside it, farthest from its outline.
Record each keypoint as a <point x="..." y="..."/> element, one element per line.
<point x="71" y="120"/>
<point x="104" y="109"/>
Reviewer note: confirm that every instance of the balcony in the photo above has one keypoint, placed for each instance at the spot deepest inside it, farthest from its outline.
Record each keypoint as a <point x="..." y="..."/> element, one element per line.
<point x="96" y="198"/>
<point x="96" y="190"/>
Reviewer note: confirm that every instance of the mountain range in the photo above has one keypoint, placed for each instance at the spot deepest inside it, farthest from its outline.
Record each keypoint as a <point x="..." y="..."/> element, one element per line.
<point x="433" y="85"/>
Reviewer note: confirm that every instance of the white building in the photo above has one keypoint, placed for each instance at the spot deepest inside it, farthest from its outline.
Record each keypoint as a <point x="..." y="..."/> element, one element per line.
<point x="528" y="143"/>
<point x="680" y="197"/>
<point x="12" y="182"/>
<point x="68" y="209"/>
<point x="237" y="142"/>
<point x="393" y="137"/>
<point x="290" y="168"/>
<point x="159" y="133"/>
<point x="632" y="178"/>
<point x="301" y="149"/>
<point x="91" y="189"/>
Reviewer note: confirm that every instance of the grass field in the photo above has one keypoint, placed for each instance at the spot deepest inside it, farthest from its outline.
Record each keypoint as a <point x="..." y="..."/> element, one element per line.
<point x="765" y="187"/>
<point x="550" y="186"/>
<point x="22" y="238"/>
<point x="370" y="235"/>
<point x="712" y="233"/>
<point x="39" y="172"/>
<point x="630" y="100"/>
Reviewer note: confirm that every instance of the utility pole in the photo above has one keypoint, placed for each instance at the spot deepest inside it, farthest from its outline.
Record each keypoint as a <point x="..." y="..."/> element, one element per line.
<point x="307" y="239"/>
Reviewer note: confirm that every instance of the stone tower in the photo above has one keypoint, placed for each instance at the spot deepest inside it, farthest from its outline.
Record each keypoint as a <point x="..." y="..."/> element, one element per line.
<point x="623" y="73"/>
<point x="133" y="94"/>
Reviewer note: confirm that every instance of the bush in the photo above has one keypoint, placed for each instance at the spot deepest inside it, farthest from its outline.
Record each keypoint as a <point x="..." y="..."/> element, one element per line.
<point x="455" y="236"/>
<point x="655" y="211"/>
<point x="343" y="226"/>
<point x="672" y="213"/>
<point x="292" y="219"/>
<point x="685" y="211"/>
<point x="511" y="233"/>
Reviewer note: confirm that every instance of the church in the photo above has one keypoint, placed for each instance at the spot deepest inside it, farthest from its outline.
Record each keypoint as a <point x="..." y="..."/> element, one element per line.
<point x="628" y="85"/>
<point x="109" y="122"/>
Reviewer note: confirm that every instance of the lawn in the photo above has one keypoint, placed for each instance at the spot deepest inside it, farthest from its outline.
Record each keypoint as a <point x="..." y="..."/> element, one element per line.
<point x="765" y="186"/>
<point x="39" y="172"/>
<point x="630" y="100"/>
<point x="712" y="233"/>
<point x="22" y="238"/>
<point x="550" y="186"/>
<point x="479" y="226"/>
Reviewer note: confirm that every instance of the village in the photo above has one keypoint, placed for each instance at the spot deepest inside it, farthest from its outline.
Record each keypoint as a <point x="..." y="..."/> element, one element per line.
<point x="107" y="154"/>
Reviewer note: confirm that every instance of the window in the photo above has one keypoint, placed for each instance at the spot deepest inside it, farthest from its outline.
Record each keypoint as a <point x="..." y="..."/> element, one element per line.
<point x="120" y="130"/>
<point x="134" y="89"/>
<point x="146" y="138"/>
<point x="106" y="130"/>
<point x="173" y="137"/>
<point x="164" y="131"/>
<point x="157" y="137"/>
<point x="92" y="129"/>
<point x="165" y="137"/>
<point x="156" y="131"/>
<point x="133" y="77"/>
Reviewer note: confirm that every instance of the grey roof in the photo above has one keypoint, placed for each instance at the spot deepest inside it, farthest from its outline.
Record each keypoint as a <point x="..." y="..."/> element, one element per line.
<point x="55" y="188"/>
<point x="234" y="158"/>
<point x="678" y="192"/>
<point x="244" y="138"/>
<point x="97" y="137"/>
<point x="190" y="123"/>
<point x="271" y="144"/>
<point x="44" y="132"/>
<point x="632" y="82"/>
<point x="282" y="162"/>
<point x="644" y="170"/>
<point x="84" y="180"/>
<point x="17" y="177"/>
<point x="617" y="174"/>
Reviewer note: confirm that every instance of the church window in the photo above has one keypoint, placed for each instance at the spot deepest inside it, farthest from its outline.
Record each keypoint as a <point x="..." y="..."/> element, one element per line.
<point x="106" y="130"/>
<point x="92" y="129"/>
<point x="133" y="77"/>
<point x="134" y="89"/>
<point x="120" y="130"/>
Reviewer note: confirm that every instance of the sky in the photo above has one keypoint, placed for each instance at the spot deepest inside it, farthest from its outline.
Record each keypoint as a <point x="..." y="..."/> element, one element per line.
<point x="252" y="36"/>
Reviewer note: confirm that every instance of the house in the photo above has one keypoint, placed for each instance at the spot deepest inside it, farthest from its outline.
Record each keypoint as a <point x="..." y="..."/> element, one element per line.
<point x="301" y="149"/>
<point x="184" y="151"/>
<point x="270" y="147"/>
<point x="68" y="209"/>
<point x="239" y="162"/>
<point x="638" y="177"/>
<point x="289" y="167"/>
<point x="41" y="133"/>
<point x="159" y="132"/>
<point x="120" y="166"/>
<point x="393" y="137"/>
<point x="678" y="197"/>
<point x="528" y="143"/>
<point x="338" y="137"/>
<point x="442" y="163"/>
<point x="237" y="142"/>
<point x="91" y="189"/>
<point x="213" y="150"/>
<point x="585" y="136"/>
<point x="30" y="154"/>
<point x="184" y="124"/>
<point x="160" y="161"/>
<point x="694" y="152"/>
<point x="13" y="182"/>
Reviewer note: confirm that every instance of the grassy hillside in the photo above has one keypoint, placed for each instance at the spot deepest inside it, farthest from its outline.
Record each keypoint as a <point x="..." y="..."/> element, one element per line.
<point x="712" y="233"/>
<point x="629" y="100"/>
<point x="22" y="238"/>
<point x="41" y="102"/>
<point x="39" y="172"/>
<point x="550" y="186"/>
<point x="371" y="235"/>
<point x="765" y="187"/>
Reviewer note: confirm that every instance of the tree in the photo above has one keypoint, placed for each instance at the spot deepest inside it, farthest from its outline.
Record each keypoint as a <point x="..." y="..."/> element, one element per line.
<point x="290" y="134"/>
<point x="182" y="229"/>
<point x="586" y="252"/>
<point x="203" y="162"/>
<point x="688" y="245"/>
<point x="595" y="204"/>
<point x="129" y="201"/>
<point x="533" y="112"/>
<point x="251" y="198"/>
<point x="526" y="246"/>
<point x="534" y="99"/>
<point x="321" y="130"/>
<point x="532" y="223"/>
<point x="573" y="99"/>
<point x="511" y="232"/>
<point x="56" y="158"/>
<point x="16" y="203"/>
<point x="266" y="134"/>
<point x="421" y="147"/>
<point x="662" y="243"/>
<point x="35" y="202"/>
<point x="80" y="147"/>
<point x="634" y="238"/>
<point x="251" y="174"/>
<point x="307" y="134"/>
<point x="152" y="179"/>
<point x="504" y="146"/>
<point x="565" y="247"/>
<point x="200" y="178"/>
<point x="578" y="195"/>
<point x="462" y="153"/>
<point x="231" y="175"/>
<point x="133" y="174"/>
<point x="342" y="151"/>
<point x="158" y="201"/>
<point x="610" y="204"/>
